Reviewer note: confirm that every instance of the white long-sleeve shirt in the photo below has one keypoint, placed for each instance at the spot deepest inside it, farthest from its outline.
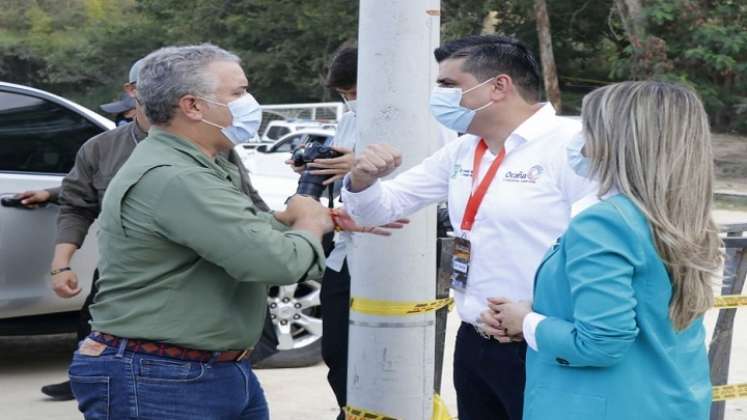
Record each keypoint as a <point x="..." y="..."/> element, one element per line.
<point x="526" y="208"/>
<point x="347" y="136"/>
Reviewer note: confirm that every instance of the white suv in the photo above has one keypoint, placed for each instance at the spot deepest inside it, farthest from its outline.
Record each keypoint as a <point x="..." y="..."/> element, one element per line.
<point x="272" y="177"/>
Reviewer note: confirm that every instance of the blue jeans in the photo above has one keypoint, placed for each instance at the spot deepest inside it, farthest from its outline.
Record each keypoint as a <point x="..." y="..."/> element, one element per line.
<point x="120" y="384"/>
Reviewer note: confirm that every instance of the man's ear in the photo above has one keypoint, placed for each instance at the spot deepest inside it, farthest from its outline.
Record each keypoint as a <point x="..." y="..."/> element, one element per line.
<point x="192" y="107"/>
<point x="501" y="87"/>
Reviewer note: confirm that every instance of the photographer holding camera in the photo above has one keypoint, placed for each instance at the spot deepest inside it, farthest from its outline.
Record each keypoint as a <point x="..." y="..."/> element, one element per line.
<point x="332" y="163"/>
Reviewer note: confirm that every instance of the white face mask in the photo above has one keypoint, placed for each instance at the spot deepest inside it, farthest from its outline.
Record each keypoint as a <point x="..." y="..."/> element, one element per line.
<point x="246" y="117"/>
<point x="447" y="109"/>
<point x="350" y="104"/>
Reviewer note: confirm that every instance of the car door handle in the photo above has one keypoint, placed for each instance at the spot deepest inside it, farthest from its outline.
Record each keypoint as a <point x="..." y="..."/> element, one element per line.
<point x="12" y="201"/>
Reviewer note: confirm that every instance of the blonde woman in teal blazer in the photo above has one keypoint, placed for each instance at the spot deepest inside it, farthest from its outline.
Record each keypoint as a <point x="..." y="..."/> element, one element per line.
<point x="615" y="331"/>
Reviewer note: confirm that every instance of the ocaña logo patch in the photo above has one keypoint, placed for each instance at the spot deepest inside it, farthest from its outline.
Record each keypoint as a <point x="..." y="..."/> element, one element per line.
<point x="529" y="176"/>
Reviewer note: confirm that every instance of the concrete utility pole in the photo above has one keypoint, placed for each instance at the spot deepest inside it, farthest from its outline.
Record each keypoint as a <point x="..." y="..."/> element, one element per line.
<point x="391" y="357"/>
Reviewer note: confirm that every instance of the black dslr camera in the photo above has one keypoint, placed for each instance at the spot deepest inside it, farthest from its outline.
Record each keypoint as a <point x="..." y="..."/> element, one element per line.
<point x="311" y="185"/>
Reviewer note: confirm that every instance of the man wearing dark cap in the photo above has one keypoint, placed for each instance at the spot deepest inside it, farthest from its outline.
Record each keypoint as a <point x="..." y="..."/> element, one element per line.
<point x="123" y="109"/>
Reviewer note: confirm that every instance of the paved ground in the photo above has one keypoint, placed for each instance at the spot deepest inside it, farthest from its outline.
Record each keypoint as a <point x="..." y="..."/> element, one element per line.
<point x="27" y="363"/>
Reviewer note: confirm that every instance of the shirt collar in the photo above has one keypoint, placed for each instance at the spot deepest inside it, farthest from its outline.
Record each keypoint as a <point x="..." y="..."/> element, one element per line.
<point x="187" y="147"/>
<point x="536" y="125"/>
<point x="138" y="132"/>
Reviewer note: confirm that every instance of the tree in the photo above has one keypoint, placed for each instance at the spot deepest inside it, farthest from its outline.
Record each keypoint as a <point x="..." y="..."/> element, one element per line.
<point x="549" y="71"/>
<point x="460" y="18"/>
<point x="82" y="49"/>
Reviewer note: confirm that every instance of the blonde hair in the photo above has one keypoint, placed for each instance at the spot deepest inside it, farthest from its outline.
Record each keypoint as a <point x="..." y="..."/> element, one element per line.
<point x="651" y="141"/>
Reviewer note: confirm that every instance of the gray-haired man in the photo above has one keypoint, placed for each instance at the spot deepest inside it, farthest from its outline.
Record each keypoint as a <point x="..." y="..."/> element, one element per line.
<point x="185" y="258"/>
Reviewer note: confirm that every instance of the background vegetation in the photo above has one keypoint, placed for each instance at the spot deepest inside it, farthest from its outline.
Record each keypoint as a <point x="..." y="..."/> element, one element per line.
<point x="82" y="49"/>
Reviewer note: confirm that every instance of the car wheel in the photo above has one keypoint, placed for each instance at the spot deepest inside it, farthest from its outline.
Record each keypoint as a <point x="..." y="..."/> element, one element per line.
<point x="296" y="315"/>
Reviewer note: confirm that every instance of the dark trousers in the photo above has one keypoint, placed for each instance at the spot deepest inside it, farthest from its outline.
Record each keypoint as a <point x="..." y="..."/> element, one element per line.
<point x="84" y="322"/>
<point x="335" y="299"/>
<point x="488" y="376"/>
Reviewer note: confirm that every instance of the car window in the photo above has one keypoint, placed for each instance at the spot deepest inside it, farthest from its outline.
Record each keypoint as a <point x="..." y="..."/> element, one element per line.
<point x="325" y="140"/>
<point x="277" y="131"/>
<point x="289" y="144"/>
<point x="37" y="135"/>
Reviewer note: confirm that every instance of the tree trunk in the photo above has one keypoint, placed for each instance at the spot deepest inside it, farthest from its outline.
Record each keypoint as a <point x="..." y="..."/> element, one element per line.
<point x="549" y="71"/>
<point x="631" y="14"/>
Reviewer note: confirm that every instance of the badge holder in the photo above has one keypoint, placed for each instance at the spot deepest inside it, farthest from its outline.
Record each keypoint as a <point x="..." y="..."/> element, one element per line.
<point x="460" y="263"/>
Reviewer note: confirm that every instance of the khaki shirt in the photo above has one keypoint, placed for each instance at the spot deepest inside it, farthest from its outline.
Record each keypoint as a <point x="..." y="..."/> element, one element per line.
<point x="184" y="257"/>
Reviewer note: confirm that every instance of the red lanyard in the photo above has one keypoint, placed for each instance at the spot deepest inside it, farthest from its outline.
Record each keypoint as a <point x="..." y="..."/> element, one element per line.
<point x="475" y="198"/>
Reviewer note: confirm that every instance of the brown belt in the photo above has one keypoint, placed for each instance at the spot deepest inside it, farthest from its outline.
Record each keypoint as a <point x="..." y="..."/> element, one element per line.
<point x="169" y="350"/>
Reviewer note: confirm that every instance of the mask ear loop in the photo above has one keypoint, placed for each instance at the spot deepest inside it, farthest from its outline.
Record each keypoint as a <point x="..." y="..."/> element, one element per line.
<point x="484" y="106"/>
<point x="214" y="103"/>
<point x="477" y="86"/>
<point x="480" y="85"/>
<point x="347" y="104"/>
<point x="210" y="101"/>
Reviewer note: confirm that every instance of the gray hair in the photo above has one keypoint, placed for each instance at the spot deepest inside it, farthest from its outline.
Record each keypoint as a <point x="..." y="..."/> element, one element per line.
<point x="651" y="140"/>
<point x="170" y="73"/>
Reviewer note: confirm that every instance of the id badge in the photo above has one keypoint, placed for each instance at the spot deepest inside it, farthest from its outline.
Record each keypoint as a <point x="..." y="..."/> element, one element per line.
<point x="460" y="264"/>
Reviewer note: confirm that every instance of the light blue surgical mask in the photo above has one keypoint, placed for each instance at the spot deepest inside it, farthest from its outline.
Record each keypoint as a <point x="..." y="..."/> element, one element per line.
<point x="246" y="117"/>
<point x="447" y="109"/>
<point x="580" y="164"/>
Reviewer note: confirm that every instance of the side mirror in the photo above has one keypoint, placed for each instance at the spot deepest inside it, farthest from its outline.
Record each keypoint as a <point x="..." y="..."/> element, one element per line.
<point x="263" y="148"/>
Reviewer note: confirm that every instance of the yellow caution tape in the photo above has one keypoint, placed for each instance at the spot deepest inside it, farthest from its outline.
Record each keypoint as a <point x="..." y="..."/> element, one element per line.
<point x="352" y="413"/>
<point x="730" y="301"/>
<point x="397" y="308"/>
<point x="440" y="412"/>
<point x="729" y="392"/>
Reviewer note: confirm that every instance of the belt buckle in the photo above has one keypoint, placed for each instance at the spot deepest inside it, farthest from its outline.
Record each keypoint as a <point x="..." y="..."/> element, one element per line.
<point x="242" y="355"/>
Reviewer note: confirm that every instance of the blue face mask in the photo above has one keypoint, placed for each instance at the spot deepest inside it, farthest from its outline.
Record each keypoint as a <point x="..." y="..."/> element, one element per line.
<point x="246" y="117"/>
<point x="447" y="109"/>
<point x="580" y="164"/>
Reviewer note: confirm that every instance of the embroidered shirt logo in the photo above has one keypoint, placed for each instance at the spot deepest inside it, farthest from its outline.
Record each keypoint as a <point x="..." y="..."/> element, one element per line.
<point x="529" y="176"/>
<point x="459" y="171"/>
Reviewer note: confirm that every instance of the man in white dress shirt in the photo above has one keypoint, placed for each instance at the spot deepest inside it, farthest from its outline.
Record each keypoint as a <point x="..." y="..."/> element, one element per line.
<point x="509" y="190"/>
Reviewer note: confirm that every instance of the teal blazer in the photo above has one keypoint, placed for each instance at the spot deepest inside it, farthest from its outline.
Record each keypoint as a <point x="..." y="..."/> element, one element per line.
<point x="607" y="349"/>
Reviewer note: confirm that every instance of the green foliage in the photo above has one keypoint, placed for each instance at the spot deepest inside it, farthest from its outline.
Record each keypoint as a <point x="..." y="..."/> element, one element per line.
<point x="82" y="49"/>
<point x="702" y="43"/>
<point x="706" y="47"/>
<point x="460" y="18"/>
